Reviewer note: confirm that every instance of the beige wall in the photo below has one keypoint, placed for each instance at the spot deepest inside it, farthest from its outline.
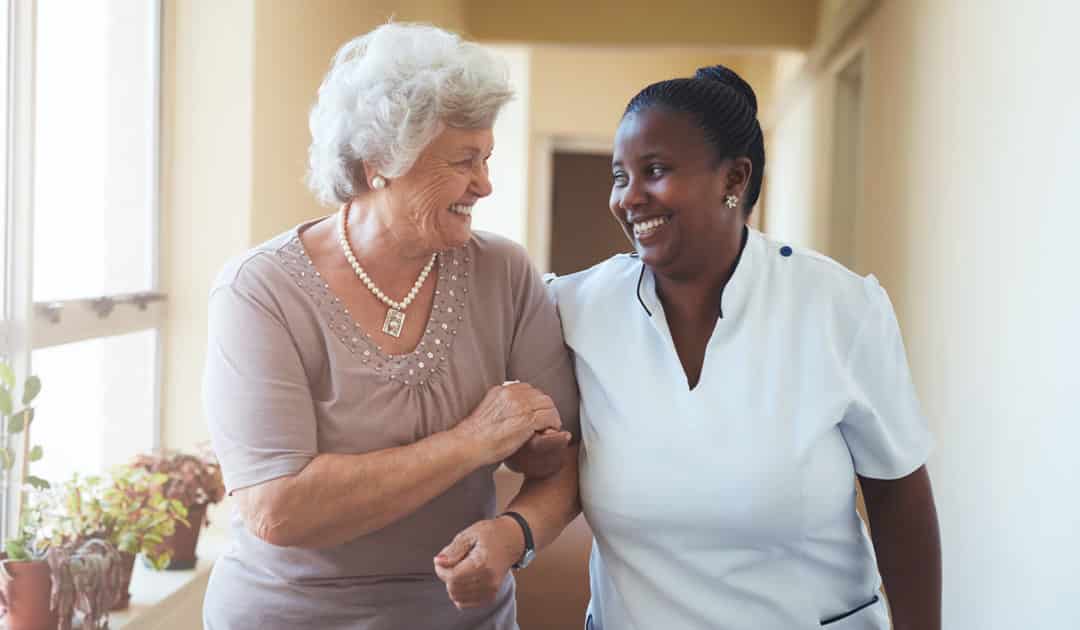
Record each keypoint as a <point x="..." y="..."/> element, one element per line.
<point x="969" y="217"/>
<point x="582" y="90"/>
<point x="763" y="23"/>
<point x="206" y="171"/>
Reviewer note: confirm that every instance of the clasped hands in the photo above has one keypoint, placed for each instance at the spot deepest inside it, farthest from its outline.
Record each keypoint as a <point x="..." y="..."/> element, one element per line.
<point x="476" y="562"/>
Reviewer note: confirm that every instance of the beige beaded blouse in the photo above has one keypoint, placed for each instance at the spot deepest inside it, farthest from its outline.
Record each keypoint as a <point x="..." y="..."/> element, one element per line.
<point x="290" y="375"/>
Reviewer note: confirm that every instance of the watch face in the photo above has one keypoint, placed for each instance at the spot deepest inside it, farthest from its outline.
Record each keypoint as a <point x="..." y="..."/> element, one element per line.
<point x="527" y="558"/>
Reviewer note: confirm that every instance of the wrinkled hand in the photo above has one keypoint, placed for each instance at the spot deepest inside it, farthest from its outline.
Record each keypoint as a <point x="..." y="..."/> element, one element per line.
<point x="475" y="564"/>
<point x="507" y="417"/>
<point x="542" y="455"/>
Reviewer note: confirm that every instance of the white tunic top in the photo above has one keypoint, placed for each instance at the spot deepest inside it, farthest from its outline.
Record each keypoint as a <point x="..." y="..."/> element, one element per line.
<point x="732" y="505"/>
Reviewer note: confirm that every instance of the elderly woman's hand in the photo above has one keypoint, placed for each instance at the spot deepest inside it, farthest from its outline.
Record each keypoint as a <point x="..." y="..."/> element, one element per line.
<point x="475" y="564"/>
<point x="507" y="417"/>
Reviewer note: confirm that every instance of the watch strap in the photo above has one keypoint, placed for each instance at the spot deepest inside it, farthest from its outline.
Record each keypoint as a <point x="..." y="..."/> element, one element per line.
<point x="530" y="547"/>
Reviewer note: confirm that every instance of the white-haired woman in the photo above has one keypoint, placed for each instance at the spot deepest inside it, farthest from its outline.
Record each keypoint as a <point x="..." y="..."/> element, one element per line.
<point x="356" y="383"/>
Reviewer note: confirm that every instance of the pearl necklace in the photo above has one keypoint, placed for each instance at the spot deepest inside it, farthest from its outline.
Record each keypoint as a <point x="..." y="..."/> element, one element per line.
<point x="395" y="315"/>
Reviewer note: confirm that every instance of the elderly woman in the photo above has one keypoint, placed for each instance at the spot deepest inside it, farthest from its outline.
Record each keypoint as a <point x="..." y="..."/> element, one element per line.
<point x="368" y="371"/>
<point x="732" y="388"/>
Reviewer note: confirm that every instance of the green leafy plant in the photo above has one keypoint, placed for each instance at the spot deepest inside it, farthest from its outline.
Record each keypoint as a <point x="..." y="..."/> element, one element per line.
<point x="19" y="421"/>
<point x="27" y="544"/>
<point x="139" y="515"/>
<point x="87" y="572"/>
<point x="127" y="508"/>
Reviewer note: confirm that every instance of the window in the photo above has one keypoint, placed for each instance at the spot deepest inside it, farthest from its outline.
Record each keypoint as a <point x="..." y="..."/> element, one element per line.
<point x="81" y="307"/>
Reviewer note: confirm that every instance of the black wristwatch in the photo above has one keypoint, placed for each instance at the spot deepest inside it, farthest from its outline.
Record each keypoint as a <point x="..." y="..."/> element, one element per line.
<point x="530" y="547"/>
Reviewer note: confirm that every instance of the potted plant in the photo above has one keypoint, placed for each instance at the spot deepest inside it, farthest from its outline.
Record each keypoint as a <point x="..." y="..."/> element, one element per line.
<point x="82" y="576"/>
<point x="87" y="579"/>
<point x="196" y="482"/>
<point x="129" y="510"/>
<point x="25" y="575"/>
<point x="25" y="582"/>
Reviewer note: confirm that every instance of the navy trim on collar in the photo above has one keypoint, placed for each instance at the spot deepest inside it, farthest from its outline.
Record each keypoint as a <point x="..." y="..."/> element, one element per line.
<point x="641" y="277"/>
<point x="742" y="248"/>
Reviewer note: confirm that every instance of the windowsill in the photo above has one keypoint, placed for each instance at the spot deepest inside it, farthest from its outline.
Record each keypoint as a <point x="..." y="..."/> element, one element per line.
<point x="158" y="597"/>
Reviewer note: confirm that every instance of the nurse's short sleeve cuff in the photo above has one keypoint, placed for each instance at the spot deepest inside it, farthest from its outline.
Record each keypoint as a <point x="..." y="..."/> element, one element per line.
<point x="884" y="427"/>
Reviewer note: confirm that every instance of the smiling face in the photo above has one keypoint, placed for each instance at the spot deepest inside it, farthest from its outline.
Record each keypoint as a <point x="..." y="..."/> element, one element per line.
<point x="669" y="188"/>
<point x="430" y="206"/>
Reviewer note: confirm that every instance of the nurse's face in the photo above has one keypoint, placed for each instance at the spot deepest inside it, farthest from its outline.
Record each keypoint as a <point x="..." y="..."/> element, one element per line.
<point x="668" y="191"/>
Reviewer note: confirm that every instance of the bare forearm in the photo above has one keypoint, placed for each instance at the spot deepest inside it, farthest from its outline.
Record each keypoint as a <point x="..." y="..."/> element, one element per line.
<point x="340" y="497"/>
<point x="904" y="528"/>
<point x="550" y="504"/>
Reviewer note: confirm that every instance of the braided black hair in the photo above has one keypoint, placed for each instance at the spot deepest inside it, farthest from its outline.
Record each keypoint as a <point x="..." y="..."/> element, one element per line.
<point x="724" y="106"/>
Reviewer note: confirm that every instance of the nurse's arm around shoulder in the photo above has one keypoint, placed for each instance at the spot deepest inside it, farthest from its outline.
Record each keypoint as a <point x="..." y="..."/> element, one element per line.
<point x="904" y="528"/>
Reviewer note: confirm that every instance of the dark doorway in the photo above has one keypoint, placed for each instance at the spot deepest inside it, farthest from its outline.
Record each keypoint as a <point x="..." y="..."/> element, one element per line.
<point x="583" y="232"/>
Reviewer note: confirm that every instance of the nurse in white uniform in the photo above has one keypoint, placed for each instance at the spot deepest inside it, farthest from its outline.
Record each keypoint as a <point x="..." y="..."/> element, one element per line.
<point x="732" y="388"/>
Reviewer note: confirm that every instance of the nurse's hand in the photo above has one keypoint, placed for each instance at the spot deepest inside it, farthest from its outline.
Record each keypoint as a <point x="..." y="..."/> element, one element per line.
<point x="475" y="564"/>
<point x="542" y="455"/>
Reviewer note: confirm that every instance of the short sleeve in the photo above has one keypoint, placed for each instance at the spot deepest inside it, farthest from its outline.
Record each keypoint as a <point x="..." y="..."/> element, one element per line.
<point x="255" y="392"/>
<point x="884" y="427"/>
<point x="538" y="354"/>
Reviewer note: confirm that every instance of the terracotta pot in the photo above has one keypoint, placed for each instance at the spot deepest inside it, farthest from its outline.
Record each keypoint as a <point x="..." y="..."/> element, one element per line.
<point x="26" y="596"/>
<point x="123" y="597"/>
<point x="185" y="539"/>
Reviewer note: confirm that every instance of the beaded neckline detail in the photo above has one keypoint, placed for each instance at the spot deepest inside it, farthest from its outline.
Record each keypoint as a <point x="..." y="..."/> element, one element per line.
<point x="422" y="366"/>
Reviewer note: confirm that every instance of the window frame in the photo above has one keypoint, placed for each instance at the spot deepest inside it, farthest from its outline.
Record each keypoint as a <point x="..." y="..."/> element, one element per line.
<point x="26" y="325"/>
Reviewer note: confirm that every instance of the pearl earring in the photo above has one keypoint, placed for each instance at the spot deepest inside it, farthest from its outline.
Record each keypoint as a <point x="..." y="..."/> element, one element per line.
<point x="731" y="201"/>
<point x="378" y="182"/>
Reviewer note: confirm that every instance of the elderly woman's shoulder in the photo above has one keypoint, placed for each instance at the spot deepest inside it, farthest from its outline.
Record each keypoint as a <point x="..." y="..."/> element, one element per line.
<point x="494" y="250"/>
<point x="262" y="266"/>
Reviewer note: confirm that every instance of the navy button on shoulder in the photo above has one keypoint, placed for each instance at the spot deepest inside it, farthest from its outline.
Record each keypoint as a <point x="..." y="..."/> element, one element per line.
<point x="785" y="251"/>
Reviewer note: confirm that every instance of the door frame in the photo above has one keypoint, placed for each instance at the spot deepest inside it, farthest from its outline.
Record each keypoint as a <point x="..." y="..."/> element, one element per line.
<point x="542" y="158"/>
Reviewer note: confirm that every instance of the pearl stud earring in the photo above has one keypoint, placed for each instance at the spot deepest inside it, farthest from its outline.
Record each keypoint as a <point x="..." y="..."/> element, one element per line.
<point x="731" y="201"/>
<point x="378" y="182"/>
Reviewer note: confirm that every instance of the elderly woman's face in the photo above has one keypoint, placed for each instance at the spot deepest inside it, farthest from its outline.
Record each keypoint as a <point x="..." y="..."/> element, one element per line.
<point x="668" y="190"/>
<point x="438" y="193"/>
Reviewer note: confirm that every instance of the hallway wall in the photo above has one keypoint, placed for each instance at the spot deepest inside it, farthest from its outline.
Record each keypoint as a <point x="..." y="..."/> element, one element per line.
<point x="969" y="218"/>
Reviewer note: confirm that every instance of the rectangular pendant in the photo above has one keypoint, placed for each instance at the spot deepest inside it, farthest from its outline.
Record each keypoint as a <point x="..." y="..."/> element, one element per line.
<point x="395" y="321"/>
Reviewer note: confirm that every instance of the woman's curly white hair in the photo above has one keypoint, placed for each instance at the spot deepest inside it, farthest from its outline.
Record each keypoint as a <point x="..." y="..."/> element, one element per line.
<point x="385" y="98"/>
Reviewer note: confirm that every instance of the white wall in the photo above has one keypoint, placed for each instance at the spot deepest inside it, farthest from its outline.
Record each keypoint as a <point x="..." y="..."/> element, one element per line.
<point x="970" y="215"/>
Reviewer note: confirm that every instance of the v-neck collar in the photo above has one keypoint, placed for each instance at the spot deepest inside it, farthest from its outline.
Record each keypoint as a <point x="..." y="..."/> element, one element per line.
<point x="735" y="294"/>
